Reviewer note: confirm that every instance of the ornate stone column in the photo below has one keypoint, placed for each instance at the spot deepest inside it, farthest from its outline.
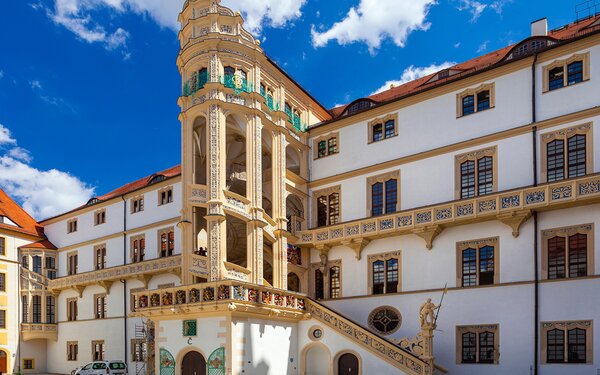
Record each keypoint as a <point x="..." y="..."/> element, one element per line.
<point x="187" y="179"/>
<point x="216" y="224"/>
<point x="279" y="211"/>
<point x="254" y="193"/>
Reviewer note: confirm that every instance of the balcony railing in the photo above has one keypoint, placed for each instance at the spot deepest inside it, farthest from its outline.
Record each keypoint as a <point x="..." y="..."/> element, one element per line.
<point x="132" y="270"/>
<point x="501" y="206"/>
<point x="295" y="120"/>
<point x="221" y="292"/>
<point x="33" y="331"/>
<point x="195" y="83"/>
<point x="237" y="83"/>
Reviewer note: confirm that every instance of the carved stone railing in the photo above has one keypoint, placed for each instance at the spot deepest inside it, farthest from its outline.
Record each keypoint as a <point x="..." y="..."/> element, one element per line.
<point x="236" y="203"/>
<point x="198" y="194"/>
<point x="511" y="207"/>
<point x="33" y="331"/>
<point x="33" y="278"/>
<point x="228" y="295"/>
<point x="408" y="362"/>
<point x="199" y="265"/>
<point x="237" y="272"/>
<point x="142" y="270"/>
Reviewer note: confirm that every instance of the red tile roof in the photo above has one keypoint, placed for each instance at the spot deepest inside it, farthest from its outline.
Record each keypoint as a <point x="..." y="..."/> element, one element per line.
<point x="25" y="223"/>
<point x="44" y="244"/>
<point x="125" y="189"/>
<point x="562" y="34"/>
<point x="142" y="182"/>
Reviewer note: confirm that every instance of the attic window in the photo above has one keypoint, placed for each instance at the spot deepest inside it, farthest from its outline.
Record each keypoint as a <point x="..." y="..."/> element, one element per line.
<point x="157" y="178"/>
<point x="92" y="201"/>
<point x="444" y="73"/>
<point x="359" y="105"/>
<point x="530" y="46"/>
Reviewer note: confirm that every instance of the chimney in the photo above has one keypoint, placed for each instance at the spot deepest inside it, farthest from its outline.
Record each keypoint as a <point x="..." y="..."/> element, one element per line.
<point x="539" y="27"/>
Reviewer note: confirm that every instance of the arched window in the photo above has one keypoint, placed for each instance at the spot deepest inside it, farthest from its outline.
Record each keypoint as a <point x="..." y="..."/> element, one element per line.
<point x="578" y="255"/>
<point x="163" y="245"/>
<point x="486" y="347"/>
<point x="469" y="347"/>
<point x="577" y="345"/>
<point x="556" y="160"/>
<point x="577" y="157"/>
<point x="555" y="351"/>
<point x="385" y="320"/>
<point x="556" y="258"/>
<point x="229" y="71"/>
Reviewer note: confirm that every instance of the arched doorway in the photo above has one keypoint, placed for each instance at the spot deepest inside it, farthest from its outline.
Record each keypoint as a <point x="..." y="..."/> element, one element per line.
<point x="348" y="364"/>
<point x="3" y="362"/>
<point x="293" y="282"/>
<point x="317" y="361"/>
<point x="193" y="363"/>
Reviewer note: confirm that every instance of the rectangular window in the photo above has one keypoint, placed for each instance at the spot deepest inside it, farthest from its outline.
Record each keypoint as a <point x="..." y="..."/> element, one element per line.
<point x="2" y="319"/>
<point x="377" y="132"/>
<point x="566" y="153"/>
<point x="100" y="306"/>
<point x="100" y="257"/>
<point x="72" y="349"/>
<point x="475" y="173"/>
<point x="166" y="243"/>
<point x="567" y="342"/>
<point x="475" y="100"/>
<point x="72" y="309"/>
<point x="335" y="282"/>
<point x="477" y="263"/>
<point x="138" y="249"/>
<point x="568" y="72"/>
<point x="28" y="364"/>
<point x="166" y="196"/>
<point x="326" y="145"/>
<point x="2" y="282"/>
<point x="319" y="285"/>
<point x="25" y="309"/>
<point x="2" y="246"/>
<point x="72" y="226"/>
<point x="189" y="328"/>
<point x="98" y="351"/>
<point x="328" y="208"/>
<point x="139" y="350"/>
<point x="36" y="316"/>
<point x="384" y="273"/>
<point x="137" y="205"/>
<point x="390" y="129"/>
<point x="72" y="264"/>
<point x="37" y="264"/>
<point x="99" y="217"/>
<point x="382" y="194"/>
<point x="50" y="310"/>
<point x="567" y="252"/>
<point x="477" y="344"/>
<point x="25" y="261"/>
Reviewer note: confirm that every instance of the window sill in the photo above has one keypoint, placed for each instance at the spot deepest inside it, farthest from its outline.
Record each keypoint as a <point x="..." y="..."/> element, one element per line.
<point x="382" y="139"/>
<point x="564" y="87"/>
<point x="476" y="112"/>
<point x="324" y="156"/>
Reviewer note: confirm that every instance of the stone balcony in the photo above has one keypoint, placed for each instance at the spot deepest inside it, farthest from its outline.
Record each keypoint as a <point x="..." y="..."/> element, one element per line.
<point x="226" y="295"/>
<point x="142" y="271"/>
<point x="512" y="208"/>
<point x="34" y="331"/>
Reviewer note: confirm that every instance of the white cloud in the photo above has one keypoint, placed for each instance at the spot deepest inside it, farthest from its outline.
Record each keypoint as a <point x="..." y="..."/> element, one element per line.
<point x="20" y="153"/>
<point x="78" y="16"/>
<point x="412" y="72"/>
<point x="1" y="73"/>
<point x="41" y="193"/>
<point x="376" y="20"/>
<point x="5" y="137"/>
<point x="273" y="13"/>
<point x="476" y="8"/>
<point x="35" y="85"/>
<point x="483" y="46"/>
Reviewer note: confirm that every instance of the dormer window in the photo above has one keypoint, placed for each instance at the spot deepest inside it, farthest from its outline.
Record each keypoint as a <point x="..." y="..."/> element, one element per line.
<point x="157" y="178"/>
<point x="358" y="106"/>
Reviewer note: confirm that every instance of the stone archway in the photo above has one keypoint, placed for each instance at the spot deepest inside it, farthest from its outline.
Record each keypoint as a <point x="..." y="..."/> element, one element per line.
<point x="193" y="363"/>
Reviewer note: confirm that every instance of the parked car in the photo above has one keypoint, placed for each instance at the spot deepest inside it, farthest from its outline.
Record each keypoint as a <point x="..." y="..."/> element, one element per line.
<point x="102" y="368"/>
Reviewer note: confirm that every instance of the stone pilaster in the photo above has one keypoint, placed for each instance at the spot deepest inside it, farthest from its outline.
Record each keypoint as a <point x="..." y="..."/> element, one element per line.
<point x="279" y="211"/>
<point x="187" y="167"/>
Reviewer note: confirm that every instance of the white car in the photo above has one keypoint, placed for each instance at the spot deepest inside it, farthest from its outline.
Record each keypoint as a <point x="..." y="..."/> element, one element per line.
<point x="102" y="368"/>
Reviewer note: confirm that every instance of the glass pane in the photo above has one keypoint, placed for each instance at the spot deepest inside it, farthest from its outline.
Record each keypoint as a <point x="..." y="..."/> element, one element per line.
<point x="556" y="160"/>
<point x="577" y="155"/>
<point x="391" y="196"/>
<point x="576" y="349"/>
<point x="485" y="167"/>
<point x="556" y="258"/>
<point x="486" y="265"/>
<point x="377" y="132"/>
<point x="483" y="100"/>
<point x="578" y="255"/>
<point x="556" y="78"/>
<point x="377" y="199"/>
<point x="469" y="347"/>
<point x="469" y="267"/>
<point x="468" y="105"/>
<point x="467" y="179"/>
<point x="555" y="346"/>
<point x="575" y="72"/>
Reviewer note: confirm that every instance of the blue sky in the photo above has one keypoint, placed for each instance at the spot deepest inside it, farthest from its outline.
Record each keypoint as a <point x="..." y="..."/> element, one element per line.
<point x="88" y="89"/>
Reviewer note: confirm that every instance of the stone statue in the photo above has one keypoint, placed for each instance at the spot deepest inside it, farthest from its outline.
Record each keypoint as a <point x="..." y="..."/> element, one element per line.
<point x="323" y="263"/>
<point x="427" y="313"/>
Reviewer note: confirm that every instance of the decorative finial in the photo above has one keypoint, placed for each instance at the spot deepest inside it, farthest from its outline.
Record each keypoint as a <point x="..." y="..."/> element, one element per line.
<point x="392" y="86"/>
<point x="257" y="42"/>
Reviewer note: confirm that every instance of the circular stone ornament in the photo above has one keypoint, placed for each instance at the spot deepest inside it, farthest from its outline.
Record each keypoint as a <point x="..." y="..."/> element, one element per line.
<point x="385" y="320"/>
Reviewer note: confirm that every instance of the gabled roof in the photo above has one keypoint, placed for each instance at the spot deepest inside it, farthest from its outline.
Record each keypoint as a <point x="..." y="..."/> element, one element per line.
<point x="25" y="223"/>
<point x="558" y="36"/>
<point x="128" y="188"/>
<point x="43" y="244"/>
